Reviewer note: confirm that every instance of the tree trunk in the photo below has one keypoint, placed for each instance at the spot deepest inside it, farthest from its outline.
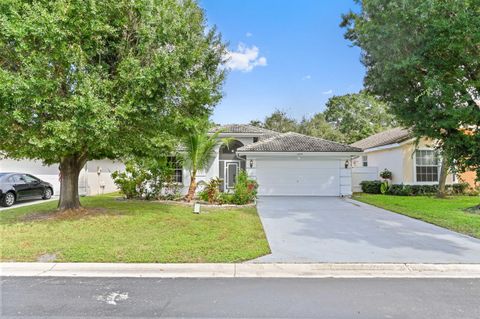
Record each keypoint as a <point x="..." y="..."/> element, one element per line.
<point x="443" y="179"/>
<point x="70" y="168"/>
<point x="192" y="187"/>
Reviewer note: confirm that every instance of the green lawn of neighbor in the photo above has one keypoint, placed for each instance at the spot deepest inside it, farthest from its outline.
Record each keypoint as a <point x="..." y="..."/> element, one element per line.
<point x="131" y="231"/>
<point x="449" y="213"/>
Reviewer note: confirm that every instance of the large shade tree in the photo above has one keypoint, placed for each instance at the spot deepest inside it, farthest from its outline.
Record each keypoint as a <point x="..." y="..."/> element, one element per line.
<point x="318" y="126"/>
<point x="423" y="57"/>
<point x="83" y="80"/>
<point x="358" y="115"/>
<point x="278" y="121"/>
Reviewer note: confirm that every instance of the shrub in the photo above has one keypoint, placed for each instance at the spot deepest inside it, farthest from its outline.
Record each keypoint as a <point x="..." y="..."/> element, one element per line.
<point x="245" y="189"/>
<point x="225" y="198"/>
<point x="400" y="190"/>
<point x="384" y="187"/>
<point x="132" y="181"/>
<point x="211" y="191"/>
<point x="423" y="190"/>
<point x="203" y="195"/>
<point x="146" y="179"/>
<point x="461" y="188"/>
<point x="371" y="187"/>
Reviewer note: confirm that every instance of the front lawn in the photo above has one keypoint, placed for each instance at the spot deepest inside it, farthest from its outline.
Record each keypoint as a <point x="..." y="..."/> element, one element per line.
<point x="449" y="213"/>
<point x="131" y="231"/>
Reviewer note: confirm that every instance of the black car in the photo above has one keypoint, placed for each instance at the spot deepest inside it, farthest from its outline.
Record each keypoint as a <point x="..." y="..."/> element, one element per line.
<point x="18" y="186"/>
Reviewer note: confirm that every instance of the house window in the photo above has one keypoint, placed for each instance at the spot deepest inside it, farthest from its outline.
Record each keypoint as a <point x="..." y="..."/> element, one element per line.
<point x="427" y="166"/>
<point x="364" y="161"/>
<point x="177" y="168"/>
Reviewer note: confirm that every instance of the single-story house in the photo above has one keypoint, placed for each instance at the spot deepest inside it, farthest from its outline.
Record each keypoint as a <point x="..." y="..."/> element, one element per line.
<point x="282" y="163"/>
<point x="398" y="151"/>
<point x="287" y="164"/>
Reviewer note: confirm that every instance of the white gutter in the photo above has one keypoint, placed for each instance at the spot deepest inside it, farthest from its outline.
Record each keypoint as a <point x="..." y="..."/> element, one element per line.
<point x="304" y="154"/>
<point x="388" y="146"/>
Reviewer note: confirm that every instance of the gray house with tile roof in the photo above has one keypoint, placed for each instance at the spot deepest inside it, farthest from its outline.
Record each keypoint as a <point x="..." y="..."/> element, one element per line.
<point x="284" y="164"/>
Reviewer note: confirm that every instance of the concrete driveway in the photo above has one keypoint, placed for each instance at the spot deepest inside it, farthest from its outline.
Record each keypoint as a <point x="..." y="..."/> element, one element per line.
<point x="331" y="229"/>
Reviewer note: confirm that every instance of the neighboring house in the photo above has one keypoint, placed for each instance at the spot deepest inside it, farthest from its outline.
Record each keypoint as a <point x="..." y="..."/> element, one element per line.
<point x="288" y="164"/>
<point x="398" y="151"/>
<point x="95" y="178"/>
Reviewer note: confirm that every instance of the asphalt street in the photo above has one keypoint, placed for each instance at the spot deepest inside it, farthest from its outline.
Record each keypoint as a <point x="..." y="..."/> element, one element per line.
<point x="27" y="297"/>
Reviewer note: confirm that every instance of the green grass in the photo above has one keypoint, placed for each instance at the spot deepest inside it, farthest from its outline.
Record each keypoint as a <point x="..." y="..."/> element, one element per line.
<point x="131" y="231"/>
<point x="448" y="213"/>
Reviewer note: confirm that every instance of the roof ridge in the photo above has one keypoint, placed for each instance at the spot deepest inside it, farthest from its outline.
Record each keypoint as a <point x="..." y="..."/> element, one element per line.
<point x="259" y="128"/>
<point x="378" y="139"/>
<point x="320" y="138"/>
<point x="294" y="142"/>
<point x="265" y="140"/>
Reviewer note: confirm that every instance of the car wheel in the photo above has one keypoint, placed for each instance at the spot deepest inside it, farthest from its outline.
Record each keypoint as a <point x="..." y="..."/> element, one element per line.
<point x="8" y="199"/>
<point x="47" y="193"/>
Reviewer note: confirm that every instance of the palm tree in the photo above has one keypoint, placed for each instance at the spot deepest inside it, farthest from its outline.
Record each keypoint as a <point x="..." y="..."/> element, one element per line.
<point x="199" y="151"/>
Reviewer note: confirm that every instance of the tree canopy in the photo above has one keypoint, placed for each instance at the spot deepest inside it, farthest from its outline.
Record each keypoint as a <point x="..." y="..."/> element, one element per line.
<point x="83" y="80"/>
<point x="278" y="121"/>
<point x="422" y="57"/>
<point x="358" y="115"/>
<point x="318" y="126"/>
<point x="346" y="119"/>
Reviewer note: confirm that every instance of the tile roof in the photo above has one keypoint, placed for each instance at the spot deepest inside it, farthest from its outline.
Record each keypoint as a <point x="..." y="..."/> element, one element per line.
<point x="242" y="128"/>
<point x="394" y="135"/>
<point x="295" y="142"/>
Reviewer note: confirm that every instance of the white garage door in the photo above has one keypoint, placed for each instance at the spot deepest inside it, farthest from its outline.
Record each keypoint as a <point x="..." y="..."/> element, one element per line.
<point x="298" y="177"/>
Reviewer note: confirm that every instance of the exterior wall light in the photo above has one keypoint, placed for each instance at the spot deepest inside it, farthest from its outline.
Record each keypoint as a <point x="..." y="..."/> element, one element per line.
<point x="346" y="164"/>
<point x="251" y="163"/>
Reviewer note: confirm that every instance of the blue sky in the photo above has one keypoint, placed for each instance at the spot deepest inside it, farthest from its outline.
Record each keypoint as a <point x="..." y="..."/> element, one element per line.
<point x="286" y="54"/>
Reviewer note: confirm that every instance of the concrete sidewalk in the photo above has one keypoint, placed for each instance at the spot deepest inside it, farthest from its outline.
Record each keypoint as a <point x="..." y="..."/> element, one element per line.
<point x="323" y="270"/>
<point x="30" y="203"/>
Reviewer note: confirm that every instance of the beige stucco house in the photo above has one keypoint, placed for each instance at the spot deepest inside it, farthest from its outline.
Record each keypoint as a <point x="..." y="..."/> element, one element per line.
<point x="410" y="162"/>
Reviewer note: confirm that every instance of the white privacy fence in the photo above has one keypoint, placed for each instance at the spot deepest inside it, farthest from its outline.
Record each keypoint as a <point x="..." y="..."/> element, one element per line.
<point x="360" y="174"/>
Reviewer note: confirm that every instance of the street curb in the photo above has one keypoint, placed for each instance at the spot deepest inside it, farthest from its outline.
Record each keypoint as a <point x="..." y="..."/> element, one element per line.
<point x="271" y="270"/>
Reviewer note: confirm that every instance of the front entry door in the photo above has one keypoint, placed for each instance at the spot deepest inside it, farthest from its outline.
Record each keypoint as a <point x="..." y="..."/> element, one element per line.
<point x="231" y="172"/>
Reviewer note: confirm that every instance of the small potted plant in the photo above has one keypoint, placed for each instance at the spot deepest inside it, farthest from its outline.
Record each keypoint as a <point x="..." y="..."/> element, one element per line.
<point x="386" y="174"/>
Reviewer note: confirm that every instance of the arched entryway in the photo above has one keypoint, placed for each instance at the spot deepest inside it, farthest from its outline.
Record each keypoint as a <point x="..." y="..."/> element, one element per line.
<point x="230" y="164"/>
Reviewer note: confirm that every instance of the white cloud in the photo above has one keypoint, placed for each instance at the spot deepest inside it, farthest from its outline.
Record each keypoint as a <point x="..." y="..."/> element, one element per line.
<point x="248" y="34"/>
<point x="245" y="58"/>
<point x="328" y="92"/>
<point x="307" y="77"/>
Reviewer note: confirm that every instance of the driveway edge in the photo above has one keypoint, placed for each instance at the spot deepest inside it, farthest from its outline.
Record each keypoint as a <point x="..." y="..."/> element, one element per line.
<point x="240" y="270"/>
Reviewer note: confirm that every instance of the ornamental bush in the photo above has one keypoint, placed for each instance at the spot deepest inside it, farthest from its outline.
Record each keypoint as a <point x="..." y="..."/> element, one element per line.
<point x="375" y="187"/>
<point x="211" y="191"/>
<point x="147" y="179"/>
<point x="245" y="189"/>
<point x="371" y="187"/>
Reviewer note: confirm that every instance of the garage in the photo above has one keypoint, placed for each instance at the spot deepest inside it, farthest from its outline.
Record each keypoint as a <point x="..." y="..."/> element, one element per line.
<point x="307" y="177"/>
<point x="293" y="164"/>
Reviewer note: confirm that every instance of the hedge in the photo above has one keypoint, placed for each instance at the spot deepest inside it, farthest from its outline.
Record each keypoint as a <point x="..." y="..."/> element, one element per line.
<point x="373" y="187"/>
